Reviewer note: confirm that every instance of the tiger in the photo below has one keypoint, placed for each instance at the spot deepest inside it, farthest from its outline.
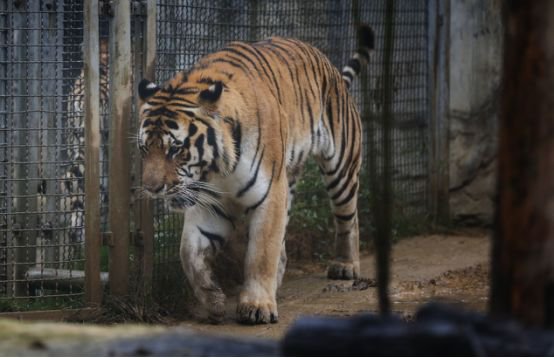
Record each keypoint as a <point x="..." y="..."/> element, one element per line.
<point x="225" y="141"/>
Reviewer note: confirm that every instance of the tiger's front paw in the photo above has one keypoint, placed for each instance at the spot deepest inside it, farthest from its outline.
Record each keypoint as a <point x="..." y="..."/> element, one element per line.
<point x="257" y="311"/>
<point x="343" y="271"/>
<point x="216" y="314"/>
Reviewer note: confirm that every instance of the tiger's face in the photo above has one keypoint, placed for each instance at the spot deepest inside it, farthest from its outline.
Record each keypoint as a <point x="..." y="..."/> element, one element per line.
<point x="180" y="151"/>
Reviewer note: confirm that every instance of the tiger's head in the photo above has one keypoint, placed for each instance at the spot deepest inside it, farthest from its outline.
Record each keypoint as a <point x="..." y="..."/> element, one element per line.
<point x="183" y="139"/>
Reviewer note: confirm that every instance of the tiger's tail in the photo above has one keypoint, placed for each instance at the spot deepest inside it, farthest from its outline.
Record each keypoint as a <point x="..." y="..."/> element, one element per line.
<point x="366" y="44"/>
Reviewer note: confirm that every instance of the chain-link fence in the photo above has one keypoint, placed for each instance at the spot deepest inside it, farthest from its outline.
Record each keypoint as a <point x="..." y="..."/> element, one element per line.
<point x="42" y="139"/>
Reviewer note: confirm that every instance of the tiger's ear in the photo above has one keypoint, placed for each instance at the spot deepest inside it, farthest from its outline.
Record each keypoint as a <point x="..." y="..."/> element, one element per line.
<point x="212" y="93"/>
<point x="147" y="89"/>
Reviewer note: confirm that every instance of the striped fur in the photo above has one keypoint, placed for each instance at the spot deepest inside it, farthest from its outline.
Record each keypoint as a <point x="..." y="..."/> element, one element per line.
<point x="227" y="140"/>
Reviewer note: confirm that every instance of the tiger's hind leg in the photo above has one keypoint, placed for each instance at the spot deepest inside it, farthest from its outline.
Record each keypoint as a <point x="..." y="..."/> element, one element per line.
<point x="283" y="259"/>
<point x="341" y="182"/>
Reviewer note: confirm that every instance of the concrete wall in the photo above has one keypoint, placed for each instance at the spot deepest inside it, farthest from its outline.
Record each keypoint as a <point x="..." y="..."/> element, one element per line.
<point x="476" y="37"/>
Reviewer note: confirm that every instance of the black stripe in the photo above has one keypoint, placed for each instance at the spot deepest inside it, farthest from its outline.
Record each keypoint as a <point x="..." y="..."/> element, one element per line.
<point x="237" y="137"/>
<point x="259" y="140"/>
<point x="259" y="57"/>
<point x="283" y="150"/>
<point x="271" y="48"/>
<point x="348" y="197"/>
<point x="188" y="113"/>
<point x="344" y="123"/>
<point x="354" y="64"/>
<point x="345" y="217"/>
<point x="162" y="111"/>
<point x="171" y="124"/>
<point x="212" y="141"/>
<point x="243" y="56"/>
<point x="192" y="129"/>
<point x="223" y="215"/>
<point x="348" y="74"/>
<point x="252" y="180"/>
<point x="275" y="81"/>
<point x="199" y="144"/>
<point x="231" y="63"/>
<point x="213" y="238"/>
<point x="253" y="207"/>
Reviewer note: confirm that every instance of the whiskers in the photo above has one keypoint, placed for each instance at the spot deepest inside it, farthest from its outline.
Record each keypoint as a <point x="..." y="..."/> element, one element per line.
<point x="202" y="194"/>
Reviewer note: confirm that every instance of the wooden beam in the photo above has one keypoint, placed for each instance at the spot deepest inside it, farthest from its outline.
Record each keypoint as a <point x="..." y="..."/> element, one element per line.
<point x="119" y="180"/>
<point x="523" y="248"/>
<point x="439" y="83"/>
<point x="93" y="241"/>
<point x="77" y="314"/>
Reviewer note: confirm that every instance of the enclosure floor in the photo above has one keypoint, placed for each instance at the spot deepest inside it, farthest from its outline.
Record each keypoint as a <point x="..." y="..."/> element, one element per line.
<point x="451" y="268"/>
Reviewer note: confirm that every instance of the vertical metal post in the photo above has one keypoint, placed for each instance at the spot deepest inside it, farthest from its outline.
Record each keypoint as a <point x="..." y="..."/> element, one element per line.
<point x="93" y="287"/>
<point x="439" y="52"/>
<point x="120" y="112"/>
<point x="145" y="222"/>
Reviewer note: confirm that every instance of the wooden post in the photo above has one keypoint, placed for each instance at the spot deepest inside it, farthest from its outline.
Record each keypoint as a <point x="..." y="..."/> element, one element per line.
<point x="120" y="113"/>
<point x="145" y="222"/>
<point x="439" y="52"/>
<point x="383" y="222"/>
<point x="93" y="242"/>
<point x="523" y="248"/>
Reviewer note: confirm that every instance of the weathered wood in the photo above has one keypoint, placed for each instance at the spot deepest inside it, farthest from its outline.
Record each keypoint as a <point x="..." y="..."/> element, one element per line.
<point x="439" y="52"/>
<point x="146" y="215"/>
<point x="437" y="330"/>
<point x="93" y="286"/>
<point x="119" y="180"/>
<point x="383" y="212"/>
<point x="76" y="314"/>
<point x="58" y="339"/>
<point x="523" y="249"/>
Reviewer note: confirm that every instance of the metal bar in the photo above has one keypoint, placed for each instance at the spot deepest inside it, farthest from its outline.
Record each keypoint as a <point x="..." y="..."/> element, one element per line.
<point x="146" y="220"/>
<point x="439" y="52"/>
<point x="59" y="279"/>
<point x="119" y="180"/>
<point x="93" y="285"/>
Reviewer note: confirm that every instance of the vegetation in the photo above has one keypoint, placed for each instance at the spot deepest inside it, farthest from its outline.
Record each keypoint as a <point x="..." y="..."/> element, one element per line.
<point x="311" y="217"/>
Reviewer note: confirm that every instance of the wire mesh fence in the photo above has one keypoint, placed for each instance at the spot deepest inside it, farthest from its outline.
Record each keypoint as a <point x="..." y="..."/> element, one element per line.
<point x="42" y="127"/>
<point x="330" y="26"/>
<point x="40" y="234"/>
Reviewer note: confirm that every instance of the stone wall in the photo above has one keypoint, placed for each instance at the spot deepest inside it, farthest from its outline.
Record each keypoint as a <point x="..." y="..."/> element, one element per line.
<point x="476" y="38"/>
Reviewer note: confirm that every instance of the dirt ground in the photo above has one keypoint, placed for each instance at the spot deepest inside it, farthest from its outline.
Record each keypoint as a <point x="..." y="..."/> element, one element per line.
<point x="451" y="268"/>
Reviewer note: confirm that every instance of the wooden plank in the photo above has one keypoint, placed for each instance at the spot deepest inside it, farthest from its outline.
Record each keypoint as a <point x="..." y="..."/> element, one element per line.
<point x="119" y="180"/>
<point x="77" y="314"/>
<point x="93" y="285"/>
<point x="523" y="245"/>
